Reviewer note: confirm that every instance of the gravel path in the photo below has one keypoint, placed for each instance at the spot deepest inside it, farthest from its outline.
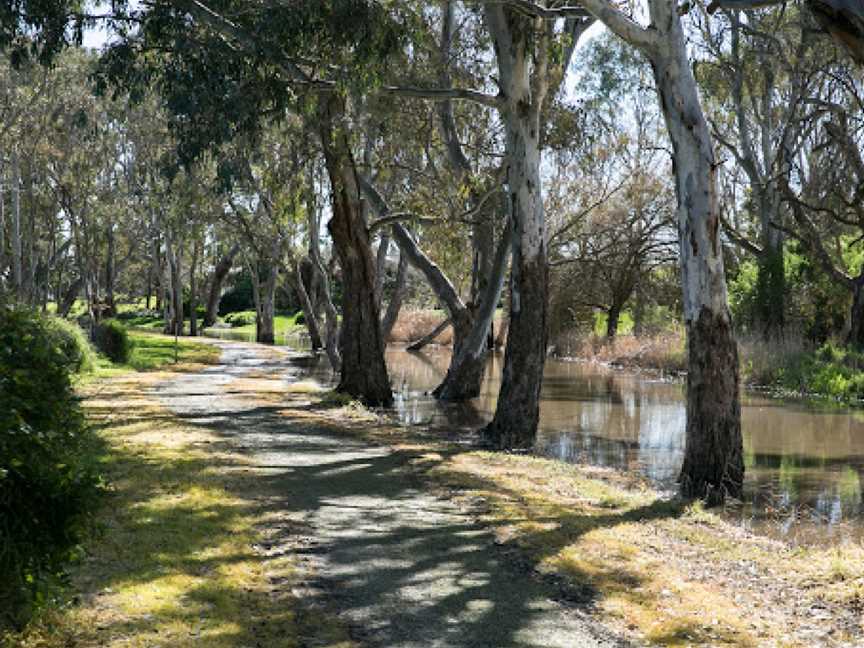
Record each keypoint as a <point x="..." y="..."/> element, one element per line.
<point x="403" y="568"/>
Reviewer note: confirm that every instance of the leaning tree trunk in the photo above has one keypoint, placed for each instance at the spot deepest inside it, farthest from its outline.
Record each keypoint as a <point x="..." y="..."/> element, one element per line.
<point x="394" y="306"/>
<point x="363" y="371"/>
<point x="471" y="345"/>
<point x="69" y="297"/>
<point x="713" y="456"/>
<point x="310" y="317"/>
<point x="517" y="413"/>
<point x="217" y="280"/>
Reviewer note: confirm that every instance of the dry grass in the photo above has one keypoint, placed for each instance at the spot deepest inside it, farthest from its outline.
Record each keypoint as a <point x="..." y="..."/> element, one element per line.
<point x="182" y="561"/>
<point x="664" y="352"/>
<point x="661" y="571"/>
<point x="763" y="362"/>
<point x="414" y="324"/>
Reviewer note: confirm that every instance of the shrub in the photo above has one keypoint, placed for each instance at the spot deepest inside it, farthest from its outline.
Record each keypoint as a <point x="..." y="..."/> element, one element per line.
<point x="244" y="318"/>
<point x="49" y="482"/>
<point x="111" y="338"/>
<point x="300" y="318"/>
<point x="73" y="342"/>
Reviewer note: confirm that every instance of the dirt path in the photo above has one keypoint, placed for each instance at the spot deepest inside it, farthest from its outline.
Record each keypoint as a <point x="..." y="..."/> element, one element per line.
<point x="400" y="566"/>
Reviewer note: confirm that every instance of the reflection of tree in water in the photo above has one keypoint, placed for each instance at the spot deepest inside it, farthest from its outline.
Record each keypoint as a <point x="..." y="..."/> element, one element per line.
<point x="804" y="466"/>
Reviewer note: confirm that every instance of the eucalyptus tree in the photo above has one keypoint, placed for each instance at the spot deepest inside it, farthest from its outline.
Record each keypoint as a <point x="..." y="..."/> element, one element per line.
<point x="268" y="210"/>
<point x="531" y="55"/>
<point x="262" y="62"/>
<point x="713" y="463"/>
<point x="443" y="169"/>
<point x="760" y="69"/>
<point x="825" y="187"/>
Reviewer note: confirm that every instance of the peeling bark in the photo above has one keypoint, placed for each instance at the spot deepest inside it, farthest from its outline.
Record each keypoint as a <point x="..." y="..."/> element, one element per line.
<point x="713" y="458"/>
<point x="518" y="411"/>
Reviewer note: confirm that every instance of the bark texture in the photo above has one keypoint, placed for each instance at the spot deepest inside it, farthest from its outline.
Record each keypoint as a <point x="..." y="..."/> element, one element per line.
<point x="518" y="411"/>
<point x="363" y="371"/>
<point x="714" y="461"/>
<point x="713" y="456"/>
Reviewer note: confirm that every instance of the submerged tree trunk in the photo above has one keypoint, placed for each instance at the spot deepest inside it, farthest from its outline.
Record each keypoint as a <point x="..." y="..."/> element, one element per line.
<point x="427" y="339"/>
<point x="518" y="410"/>
<point x="217" y="280"/>
<point x="713" y="457"/>
<point x="363" y="371"/>
<point x="470" y="349"/>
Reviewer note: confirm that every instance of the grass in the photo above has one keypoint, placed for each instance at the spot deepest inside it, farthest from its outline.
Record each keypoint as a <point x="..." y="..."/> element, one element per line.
<point x="662" y="352"/>
<point x="413" y="324"/>
<point x="831" y="371"/>
<point x="283" y="324"/>
<point x="152" y="351"/>
<point x="182" y="559"/>
<point x="663" y="571"/>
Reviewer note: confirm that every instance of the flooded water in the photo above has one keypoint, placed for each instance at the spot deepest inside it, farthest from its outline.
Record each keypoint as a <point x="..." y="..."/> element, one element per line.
<point x="805" y="463"/>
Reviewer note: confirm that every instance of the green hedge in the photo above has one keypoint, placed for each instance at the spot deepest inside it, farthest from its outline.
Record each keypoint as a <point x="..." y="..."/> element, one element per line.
<point x="73" y="342"/>
<point x="112" y="339"/>
<point x="49" y="477"/>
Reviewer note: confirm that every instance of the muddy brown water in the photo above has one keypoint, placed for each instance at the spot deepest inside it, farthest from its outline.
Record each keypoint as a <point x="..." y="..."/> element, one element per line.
<point x="804" y="461"/>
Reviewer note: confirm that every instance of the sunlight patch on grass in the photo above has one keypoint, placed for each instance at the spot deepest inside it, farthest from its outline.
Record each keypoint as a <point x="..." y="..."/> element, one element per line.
<point x="180" y="560"/>
<point x="667" y="572"/>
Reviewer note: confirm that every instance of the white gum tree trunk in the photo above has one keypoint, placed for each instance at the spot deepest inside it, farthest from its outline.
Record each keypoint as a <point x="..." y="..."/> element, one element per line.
<point x="713" y="458"/>
<point x="522" y="67"/>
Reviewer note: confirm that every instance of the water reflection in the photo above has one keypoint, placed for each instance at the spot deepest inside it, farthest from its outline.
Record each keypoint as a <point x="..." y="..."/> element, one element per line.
<point x="804" y="463"/>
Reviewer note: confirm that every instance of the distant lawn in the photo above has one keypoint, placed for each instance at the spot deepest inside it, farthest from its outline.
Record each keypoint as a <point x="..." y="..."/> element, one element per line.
<point x="283" y="323"/>
<point x="152" y="351"/>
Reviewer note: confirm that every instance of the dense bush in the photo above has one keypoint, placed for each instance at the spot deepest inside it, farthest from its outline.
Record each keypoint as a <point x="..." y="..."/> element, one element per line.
<point x="111" y="338"/>
<point x="239" y="296"/>
<point x="73" y="342"/>
<point x="244" y="318"/>
<point x="49" y="482"/>
<point x="832" y="371"/>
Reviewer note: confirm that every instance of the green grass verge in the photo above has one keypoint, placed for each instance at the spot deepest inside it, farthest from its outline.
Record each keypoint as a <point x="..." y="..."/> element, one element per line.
<point x="182" y="560"/>
<point x="152" y="351"/>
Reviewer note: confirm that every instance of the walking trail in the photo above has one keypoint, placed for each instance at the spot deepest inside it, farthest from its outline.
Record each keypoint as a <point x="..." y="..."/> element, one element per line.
<point x="400" y="566"/>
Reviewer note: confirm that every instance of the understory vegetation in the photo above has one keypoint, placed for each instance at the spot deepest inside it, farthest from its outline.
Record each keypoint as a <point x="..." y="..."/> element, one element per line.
<point x="52" y="461"/>
<point x="677" y="186"/>
<point x="179" y="559"/>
